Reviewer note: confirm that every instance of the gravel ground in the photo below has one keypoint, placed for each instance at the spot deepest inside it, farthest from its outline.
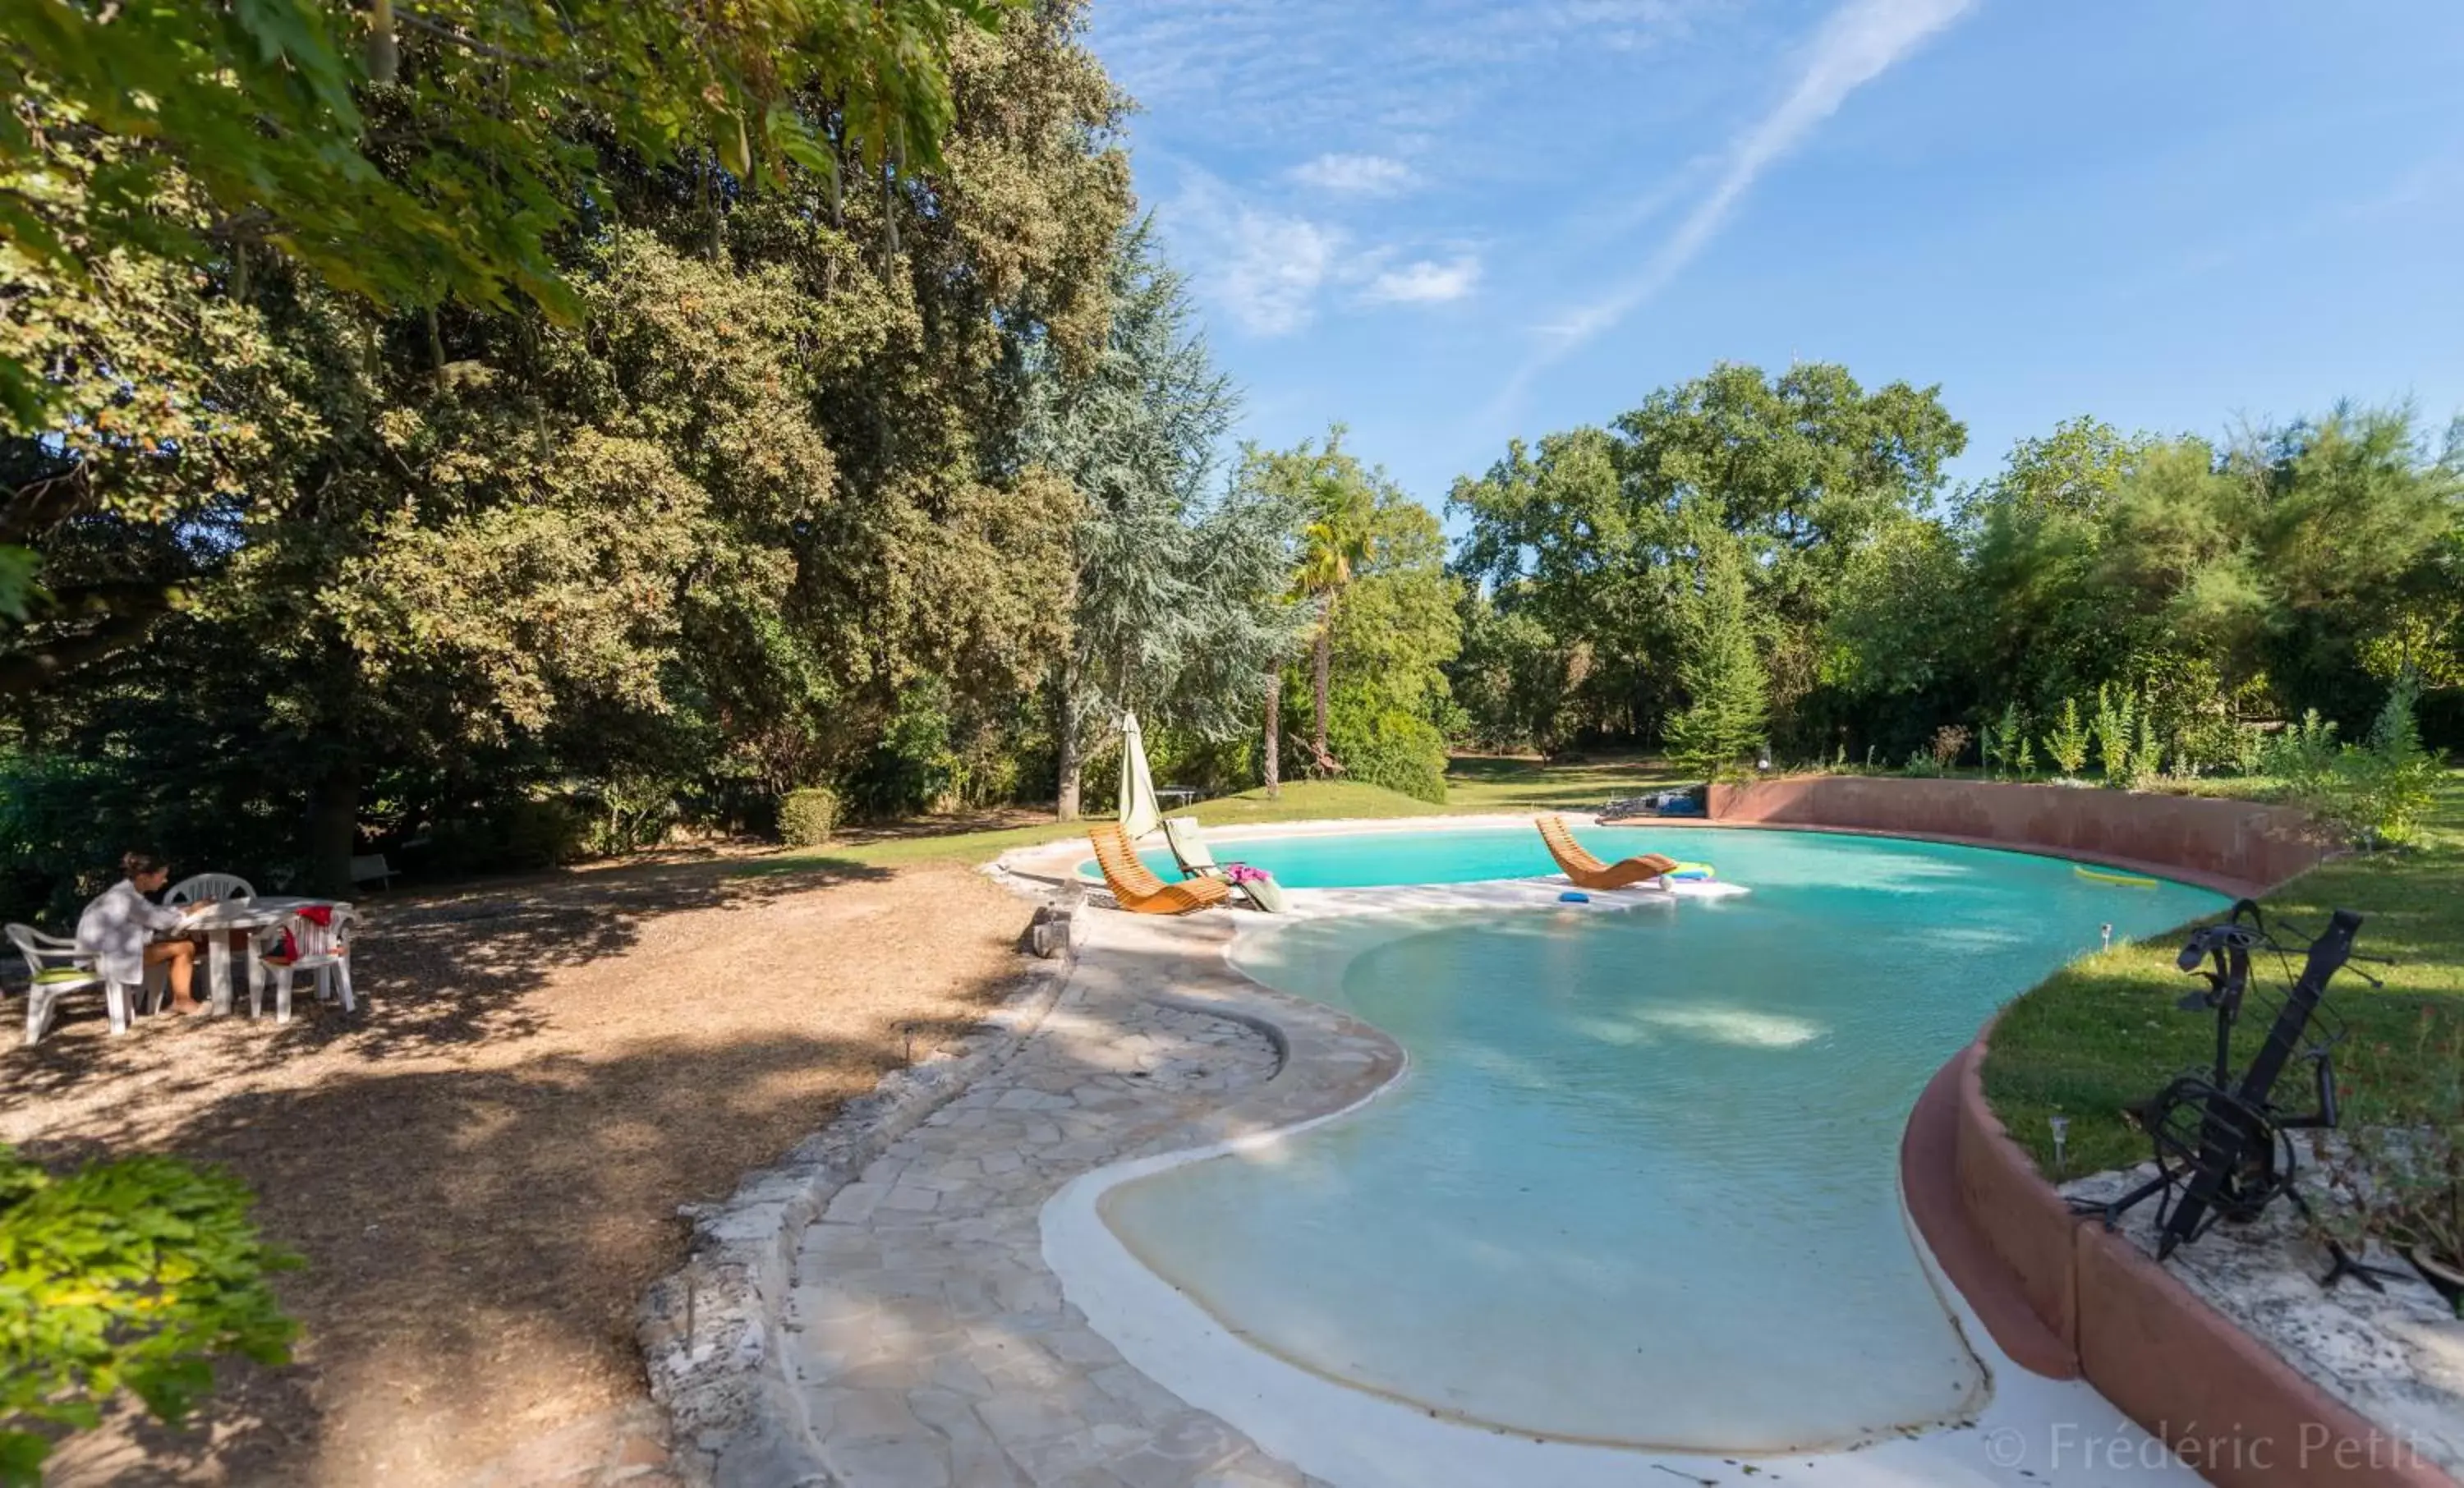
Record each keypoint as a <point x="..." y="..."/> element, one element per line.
<point x="482" y="1168"/>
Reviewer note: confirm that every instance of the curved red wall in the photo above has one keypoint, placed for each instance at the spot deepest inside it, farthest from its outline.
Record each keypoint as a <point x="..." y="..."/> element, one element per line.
<point x="2236" y="847"/>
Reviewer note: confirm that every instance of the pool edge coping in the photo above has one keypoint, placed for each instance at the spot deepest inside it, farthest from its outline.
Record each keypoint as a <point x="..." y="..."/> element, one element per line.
<point x="2050" y="1287"/>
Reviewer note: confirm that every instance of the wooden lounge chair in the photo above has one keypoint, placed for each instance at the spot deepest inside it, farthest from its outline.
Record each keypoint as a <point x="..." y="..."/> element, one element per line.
<point x="1590" y="872"/>
<point x="1140" y="890"/>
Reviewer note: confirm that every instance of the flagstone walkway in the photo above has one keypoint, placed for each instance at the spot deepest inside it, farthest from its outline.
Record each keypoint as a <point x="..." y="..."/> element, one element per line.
<point x="932" y="1345"/>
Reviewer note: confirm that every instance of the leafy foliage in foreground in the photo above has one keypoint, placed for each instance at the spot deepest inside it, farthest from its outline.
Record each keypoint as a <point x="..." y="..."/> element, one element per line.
<point x="132" y="1274"/>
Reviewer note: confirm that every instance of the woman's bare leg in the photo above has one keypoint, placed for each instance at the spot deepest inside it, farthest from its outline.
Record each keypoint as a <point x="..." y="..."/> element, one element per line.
<point x="180" y="958"/>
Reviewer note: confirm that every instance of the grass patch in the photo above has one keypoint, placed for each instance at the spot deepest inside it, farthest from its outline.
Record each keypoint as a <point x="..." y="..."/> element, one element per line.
<point x="2104" y="1031"/>
<point x="1488" y="782"/>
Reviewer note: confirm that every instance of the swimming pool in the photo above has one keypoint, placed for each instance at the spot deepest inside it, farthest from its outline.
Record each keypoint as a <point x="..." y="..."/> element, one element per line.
<point x="1637" y="1186"/>
<point x="1371" y="860"/>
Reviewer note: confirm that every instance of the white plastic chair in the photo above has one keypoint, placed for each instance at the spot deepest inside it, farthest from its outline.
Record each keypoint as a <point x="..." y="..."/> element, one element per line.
<point x="322" y="949"/>
<point x="208" y="888"/>
<point x="57" y="967"/>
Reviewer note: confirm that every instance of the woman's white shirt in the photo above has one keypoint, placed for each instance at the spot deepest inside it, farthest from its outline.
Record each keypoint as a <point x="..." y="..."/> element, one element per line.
<point x="116" y="928"/>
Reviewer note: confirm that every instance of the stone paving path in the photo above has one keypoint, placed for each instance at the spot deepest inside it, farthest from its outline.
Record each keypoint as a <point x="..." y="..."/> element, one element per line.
<point x="931" y="1346"/>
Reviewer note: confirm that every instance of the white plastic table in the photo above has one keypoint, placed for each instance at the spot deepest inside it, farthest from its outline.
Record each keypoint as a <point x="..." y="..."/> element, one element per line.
<point x="239" y="914"/>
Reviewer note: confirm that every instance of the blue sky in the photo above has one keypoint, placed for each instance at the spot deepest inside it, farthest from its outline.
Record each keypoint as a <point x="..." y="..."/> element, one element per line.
<point x="1450" y="222"/>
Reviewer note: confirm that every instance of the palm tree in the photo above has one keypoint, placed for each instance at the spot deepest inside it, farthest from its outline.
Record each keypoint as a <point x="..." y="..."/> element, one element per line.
<point x="1337" y="539"/>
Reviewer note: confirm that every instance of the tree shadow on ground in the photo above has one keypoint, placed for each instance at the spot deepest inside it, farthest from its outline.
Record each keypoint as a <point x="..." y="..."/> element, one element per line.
<point x="431" y="971"/>
<point x="483" y="1169"/>
<point x="481" y="1215"/>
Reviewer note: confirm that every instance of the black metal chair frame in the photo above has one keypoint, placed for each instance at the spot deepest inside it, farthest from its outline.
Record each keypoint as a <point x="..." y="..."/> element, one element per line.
<point x="2222" y="1145"/>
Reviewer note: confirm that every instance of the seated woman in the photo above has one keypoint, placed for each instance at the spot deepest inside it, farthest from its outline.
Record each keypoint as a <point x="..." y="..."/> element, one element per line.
<point x="121" y="925"/>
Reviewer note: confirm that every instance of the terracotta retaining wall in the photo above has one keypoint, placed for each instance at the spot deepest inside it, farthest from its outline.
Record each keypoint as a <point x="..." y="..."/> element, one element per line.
<point x="2235" y="846"/>
<point x="2064" y="1298"/>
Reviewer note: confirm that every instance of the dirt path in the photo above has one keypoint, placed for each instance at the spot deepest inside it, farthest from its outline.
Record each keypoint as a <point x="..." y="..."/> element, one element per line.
<point x="483" y="1168"/>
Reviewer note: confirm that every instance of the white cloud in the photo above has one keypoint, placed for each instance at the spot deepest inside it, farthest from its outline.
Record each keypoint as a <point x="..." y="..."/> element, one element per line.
<point x="1263" y="268"/>
<point x="1425" y="282"/>
<point x="1859" y="43"/>
<point x="1357" y="175"/>
<point x="1296" y="73"/>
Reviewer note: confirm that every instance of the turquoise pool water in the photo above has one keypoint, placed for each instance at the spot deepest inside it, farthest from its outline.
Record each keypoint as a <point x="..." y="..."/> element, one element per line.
<point x="1370" y="858"/>
<point x="1638" y="1184"/>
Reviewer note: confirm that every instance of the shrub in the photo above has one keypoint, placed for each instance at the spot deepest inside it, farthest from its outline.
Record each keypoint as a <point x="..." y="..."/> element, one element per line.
<point x="2402" y="772"/>
<point x="125" y="1275"/>
<point x="539" y="834"/>
<point x="2370" y="794"/>
<point x="2067" y="744"/>
<point x="2115" y="718"/>
<point x="627" y="812"/>
<point x="2002" y="741"/>
<point x="1394" y="748"/>
<point x="807" y="818"/>
<point x="2147" y="755"/>
<point x="2304" y="750"/>
<point x="2208" y="742"/>
<point x="1949" y="742"/>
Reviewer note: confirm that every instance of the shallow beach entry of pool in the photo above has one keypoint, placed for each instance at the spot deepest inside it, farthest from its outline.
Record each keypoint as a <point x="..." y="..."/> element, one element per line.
<point x="1637" y="1187"/>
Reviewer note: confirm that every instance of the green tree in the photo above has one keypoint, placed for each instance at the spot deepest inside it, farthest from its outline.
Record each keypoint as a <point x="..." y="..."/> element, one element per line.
<point x="1726" y="712"/>
<point x="1337" y="499"/>
<point x="1515" y="683"/>
<point x="1552" y="541"/>
<point x="417" y="160"/>
<point x="1176" y="605"/>
<point x="1336" y="538"/>
<point x="1803" y="469"/>
<point x="1397" y="629"/>
<point x="706" y="548"/>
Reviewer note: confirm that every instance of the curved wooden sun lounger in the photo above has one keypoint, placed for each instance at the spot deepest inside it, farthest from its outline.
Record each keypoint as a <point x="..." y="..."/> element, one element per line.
<point x="1140" y="890"/>
<point x="1590" y="872"/>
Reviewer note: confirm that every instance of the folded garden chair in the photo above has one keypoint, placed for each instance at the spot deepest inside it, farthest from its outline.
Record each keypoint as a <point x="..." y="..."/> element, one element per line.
<point x="1189" y="848"/>
<point x="1590" y="872"/>
<point x="1139" y="891"/>
<point x="59" y="967"/>
<point x="1196" y="860"/>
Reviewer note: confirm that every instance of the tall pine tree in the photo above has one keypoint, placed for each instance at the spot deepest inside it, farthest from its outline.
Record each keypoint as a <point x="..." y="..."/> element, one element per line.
<point x="1178" y="600"/>
<point x="1727" y="702"/>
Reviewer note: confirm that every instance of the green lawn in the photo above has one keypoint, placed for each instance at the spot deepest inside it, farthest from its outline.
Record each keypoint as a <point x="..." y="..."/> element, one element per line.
<point x="1483" y="782"/>
<point x="2104" y="1031"/>
<point x="1473" y="784"/>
